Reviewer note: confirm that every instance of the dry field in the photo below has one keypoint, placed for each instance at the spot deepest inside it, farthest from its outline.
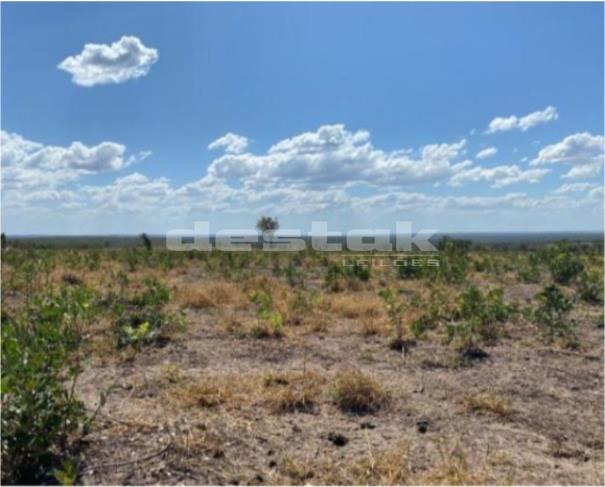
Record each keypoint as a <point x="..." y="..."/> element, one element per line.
<point x="268" y="368"/>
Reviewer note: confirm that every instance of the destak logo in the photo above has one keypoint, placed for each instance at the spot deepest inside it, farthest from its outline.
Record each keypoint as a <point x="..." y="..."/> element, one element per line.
<point x="292" y="240"/>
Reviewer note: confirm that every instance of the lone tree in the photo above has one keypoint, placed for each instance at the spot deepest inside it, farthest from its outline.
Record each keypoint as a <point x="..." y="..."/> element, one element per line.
<point x="3" y="237"/>
<point x="146" y="241"/>
<point x="267" y="224"/>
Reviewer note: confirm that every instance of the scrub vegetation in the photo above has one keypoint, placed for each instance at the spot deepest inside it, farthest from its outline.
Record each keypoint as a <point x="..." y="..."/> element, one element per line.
<point x="141" y="365"/>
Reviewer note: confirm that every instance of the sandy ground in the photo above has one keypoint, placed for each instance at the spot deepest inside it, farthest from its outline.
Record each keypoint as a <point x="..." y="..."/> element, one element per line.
<point x="543" y="425"/>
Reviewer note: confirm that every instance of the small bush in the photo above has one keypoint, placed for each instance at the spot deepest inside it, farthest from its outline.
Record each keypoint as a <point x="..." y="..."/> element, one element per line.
<point x="139" y="327"/>
<point x="530" y="272"/>
<point x="552" y="313"/>
<point x="155" y="294"/>
<point x="478" y="319"/>
<point x="40" y="412"/>
<point x="395" y="312"/>
<point x="354" y="392"/>
<point x="453" y="259"/>
<point x="591" y="287"/>
<point x="358" y="271"/>
<point x="270" y="322"/>
<point x="565" y="267"/>
<point x="410" y="271"/>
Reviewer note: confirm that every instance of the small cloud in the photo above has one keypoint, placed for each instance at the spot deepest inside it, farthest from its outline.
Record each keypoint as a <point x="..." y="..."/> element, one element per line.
<point x="485" y="153"/>
<point x="498" y="176"/>
<point x="100" y="64"/>
<point x="580" y="148"/>
<point x="231" y="143"/>
<point x="504" y="124"/>
<point x="575" y="188"/>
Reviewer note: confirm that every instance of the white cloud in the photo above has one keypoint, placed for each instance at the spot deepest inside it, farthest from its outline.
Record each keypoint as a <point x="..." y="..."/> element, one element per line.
<point x="499" y="176"/>
<point x="485" y="153"/>
<point x="583" y="171"/>
<point x="99" y="64"/>
<point x="333" y="155"/>
<point x="503" y="124"/>
<point x="135" y="192"/>
<point x="575" y="188"/>
<point x="329" y="171"/>
<point x="231" y="143"/>
<point x="27" y="164"/>
<point x="583" y="150"/>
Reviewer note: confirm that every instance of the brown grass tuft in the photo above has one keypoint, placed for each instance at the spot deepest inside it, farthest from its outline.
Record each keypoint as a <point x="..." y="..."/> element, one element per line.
<point x="488" y="402"/>
<point x="210" y="295"/>
<point x="288" y="393"/>
<point x="207" y="393"/>
<point x="357" y="393"/>
<point x="352" y="305"/>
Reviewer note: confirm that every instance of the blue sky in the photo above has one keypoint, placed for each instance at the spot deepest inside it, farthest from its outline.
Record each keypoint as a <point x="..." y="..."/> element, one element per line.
<point x="358" y="114"/>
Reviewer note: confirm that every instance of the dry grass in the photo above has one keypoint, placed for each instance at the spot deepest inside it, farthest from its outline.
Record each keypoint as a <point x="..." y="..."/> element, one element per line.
<point x="385" y="468"/>
<point x="395" y="466"/>
<point x="454" y="468"/>
<point x="354" y="392"/>
<point x="172" y="373"/>
<point x="370" y="326"/>
<point x="293" y="392"/>
<point x="208" y="392"/>
<point x="297" y="471"/>
<point x="488" y="402"/>
<point x="353" y="306"/>
<point x="210" y="295"/>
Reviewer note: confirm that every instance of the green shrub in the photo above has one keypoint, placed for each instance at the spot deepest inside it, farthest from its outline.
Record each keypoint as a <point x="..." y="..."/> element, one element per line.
<point x="270" y="322"/>
<point x="453" y="259"/>
<point x="395" y="310"/>
<point x="478" y="317"/>
<point x="139" y="327"/>
<point x="332" y="277"/>
<point x="156" y="294"/>
<point x="39" y="368"/>
<point x="591" y="287"/>
<point x="565" y="267"/>
<point x="410" y="271"/>
<point x="358" y="271"/>
<point x="552" y="313"/>
<point x="427" y="321"/>
<point x="530" y="272"/>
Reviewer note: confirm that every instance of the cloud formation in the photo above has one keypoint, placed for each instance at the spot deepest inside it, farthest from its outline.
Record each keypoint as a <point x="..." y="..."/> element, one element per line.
<point x="524" y="123"/>
<point x="100" y="64"/>
<point x="332" y="155"/>
<point x="329" y="171"/>
<point x="499" y="176"/>
<point x="231" y="143"/>
<point x="28" y="164"/>
<point x="485" y="153"/>
<point x="583" y="151"/>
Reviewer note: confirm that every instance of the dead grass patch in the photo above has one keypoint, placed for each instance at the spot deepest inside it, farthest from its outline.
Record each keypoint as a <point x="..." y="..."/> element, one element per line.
<point x="488" y="402"/>
<point x="293" y="392"/>
<point x="210" y="295"/>
<point x="209" y="392"/>
<point x="354" y="392"/>
<point x="352" y="305"/>
<point x="370" y="326"/>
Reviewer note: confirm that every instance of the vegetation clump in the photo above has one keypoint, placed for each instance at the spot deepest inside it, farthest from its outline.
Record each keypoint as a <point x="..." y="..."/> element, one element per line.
<point x="478" y="318"/>
<point x="356" y="393"/>
<point x="269" y="321"/>
<point x="552" y="313"/>
<point x="41" y="414"/>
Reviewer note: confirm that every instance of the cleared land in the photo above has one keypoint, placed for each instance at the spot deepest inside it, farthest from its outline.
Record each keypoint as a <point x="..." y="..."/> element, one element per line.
<point x="269" y="368"/>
